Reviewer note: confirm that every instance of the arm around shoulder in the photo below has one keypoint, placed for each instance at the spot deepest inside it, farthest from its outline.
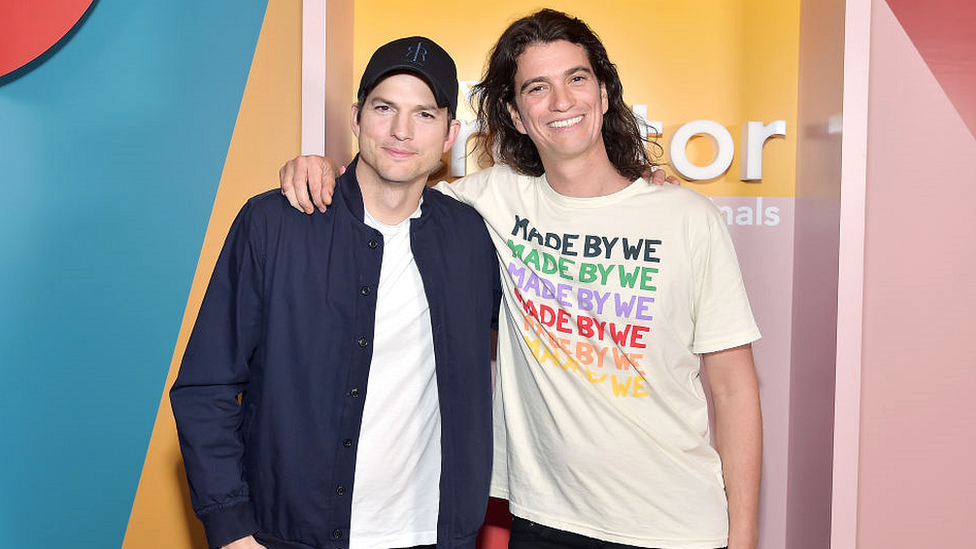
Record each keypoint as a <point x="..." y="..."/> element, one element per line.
<point x="308" y="182"/>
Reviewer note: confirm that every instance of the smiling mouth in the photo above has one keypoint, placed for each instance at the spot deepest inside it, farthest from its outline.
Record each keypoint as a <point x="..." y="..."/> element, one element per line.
<point x="566" y="123"/>
<point x="398" y="153"/>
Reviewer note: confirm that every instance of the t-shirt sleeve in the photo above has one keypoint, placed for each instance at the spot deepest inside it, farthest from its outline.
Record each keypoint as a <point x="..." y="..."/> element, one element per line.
<point x="447" y="189"/>
<point x="470" y="189"/>
<point x="722" y="315"/>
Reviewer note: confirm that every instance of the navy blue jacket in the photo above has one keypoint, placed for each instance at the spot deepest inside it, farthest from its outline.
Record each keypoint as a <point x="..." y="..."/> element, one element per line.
<point x="287" y="322"/>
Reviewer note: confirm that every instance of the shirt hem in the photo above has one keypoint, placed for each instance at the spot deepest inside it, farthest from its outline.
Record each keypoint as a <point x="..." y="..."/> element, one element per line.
<point x="602" y="535"/>
<point x="497" y="492"/>
<point x="401" y="540"/>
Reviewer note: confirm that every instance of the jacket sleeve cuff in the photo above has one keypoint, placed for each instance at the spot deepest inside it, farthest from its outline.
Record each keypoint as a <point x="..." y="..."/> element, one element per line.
<point x="229" y="523"/>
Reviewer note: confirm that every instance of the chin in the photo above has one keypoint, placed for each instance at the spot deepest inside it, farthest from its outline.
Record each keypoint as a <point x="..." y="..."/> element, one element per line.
<point x="399" y="176"/>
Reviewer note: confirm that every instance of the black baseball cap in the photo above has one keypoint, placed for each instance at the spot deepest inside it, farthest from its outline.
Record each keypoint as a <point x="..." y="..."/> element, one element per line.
<point x="418" y="55"/>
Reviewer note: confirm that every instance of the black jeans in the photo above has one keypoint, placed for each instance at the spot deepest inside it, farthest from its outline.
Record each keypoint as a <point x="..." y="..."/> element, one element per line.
<point x="532" y="535"/>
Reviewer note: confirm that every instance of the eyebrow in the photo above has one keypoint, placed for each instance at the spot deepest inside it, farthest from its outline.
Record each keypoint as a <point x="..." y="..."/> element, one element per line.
<point x="424" y="107"/>
<point x="567" y="72"/>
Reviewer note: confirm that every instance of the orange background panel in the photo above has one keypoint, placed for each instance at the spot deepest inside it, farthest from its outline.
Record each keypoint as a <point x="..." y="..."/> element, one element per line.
<point x="266" y="134"/>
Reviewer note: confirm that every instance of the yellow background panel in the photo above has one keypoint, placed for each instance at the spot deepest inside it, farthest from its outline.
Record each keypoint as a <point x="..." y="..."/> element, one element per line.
<point x="266" y="134"/>
<point x="730" y="62"/>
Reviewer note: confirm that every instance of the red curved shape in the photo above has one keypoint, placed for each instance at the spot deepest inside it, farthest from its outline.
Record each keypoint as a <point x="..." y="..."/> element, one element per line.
<point x="28" y="29"/>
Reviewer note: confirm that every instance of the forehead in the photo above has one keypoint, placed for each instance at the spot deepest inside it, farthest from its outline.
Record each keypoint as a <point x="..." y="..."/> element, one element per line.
<point x="550" y="59"/>
<point x="399" y="86"/>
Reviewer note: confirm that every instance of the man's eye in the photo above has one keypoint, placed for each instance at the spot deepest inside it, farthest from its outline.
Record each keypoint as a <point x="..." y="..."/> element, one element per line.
<point x="425" y="114"/>
<point x="536" y="89"/>
<point x="578" y="78"/>
<point x="382" y="108"/>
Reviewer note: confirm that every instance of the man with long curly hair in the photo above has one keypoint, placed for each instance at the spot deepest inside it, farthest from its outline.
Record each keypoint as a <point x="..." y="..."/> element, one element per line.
<point x="617" y="293"/>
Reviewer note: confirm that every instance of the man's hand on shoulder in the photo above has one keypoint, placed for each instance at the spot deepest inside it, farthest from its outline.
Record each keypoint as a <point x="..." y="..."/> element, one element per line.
<point x="244" y="543"/>
<point x="659" y="176"/>
<point x="308" y="182"/>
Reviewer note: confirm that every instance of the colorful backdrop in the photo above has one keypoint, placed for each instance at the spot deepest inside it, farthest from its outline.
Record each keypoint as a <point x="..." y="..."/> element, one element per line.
<point x="130" y="133"/>
<point x="126" y="150"/>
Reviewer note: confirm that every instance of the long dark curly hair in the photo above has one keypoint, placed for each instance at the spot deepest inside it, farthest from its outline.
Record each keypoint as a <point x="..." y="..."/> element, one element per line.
<point x="499" y="138"/>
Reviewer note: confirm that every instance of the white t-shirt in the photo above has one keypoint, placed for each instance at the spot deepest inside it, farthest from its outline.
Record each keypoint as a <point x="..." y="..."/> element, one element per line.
<point x="601" y="424"/>
<point x="398" y="462"/>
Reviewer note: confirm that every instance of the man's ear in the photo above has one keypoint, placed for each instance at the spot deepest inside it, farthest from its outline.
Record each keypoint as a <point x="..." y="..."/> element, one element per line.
<point x="453" y="127"/>
<point x="516" y="118"/>
<point x="603" y="97"/>
<point x="354" y="119"/>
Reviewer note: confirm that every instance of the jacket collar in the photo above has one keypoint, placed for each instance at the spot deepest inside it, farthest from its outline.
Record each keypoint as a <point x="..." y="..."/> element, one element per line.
<point x="349" y="194"/>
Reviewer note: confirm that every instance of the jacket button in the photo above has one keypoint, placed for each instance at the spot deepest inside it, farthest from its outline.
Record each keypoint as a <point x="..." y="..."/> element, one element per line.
<point x="364" y="290"/>
<point x="373" y="244"/>
<point x="354" y="392"/>
<point x="340" y="490"/>
<point x="347" y="442"/>
<point x="337" y="533"/>
<point x="363" y="342"/>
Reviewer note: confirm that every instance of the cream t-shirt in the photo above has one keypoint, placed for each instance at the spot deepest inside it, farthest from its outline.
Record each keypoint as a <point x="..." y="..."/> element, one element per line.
<point x="601" y="423"/>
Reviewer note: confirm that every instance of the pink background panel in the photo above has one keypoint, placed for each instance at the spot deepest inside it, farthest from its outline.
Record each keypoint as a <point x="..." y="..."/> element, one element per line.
<point x="944" y="33"/>
<point x="917" y="414"/>
<point x="815" y="269"/>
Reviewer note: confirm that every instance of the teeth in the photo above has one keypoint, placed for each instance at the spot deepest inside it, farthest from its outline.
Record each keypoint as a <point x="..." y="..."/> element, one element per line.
<point x="565" y="123"/>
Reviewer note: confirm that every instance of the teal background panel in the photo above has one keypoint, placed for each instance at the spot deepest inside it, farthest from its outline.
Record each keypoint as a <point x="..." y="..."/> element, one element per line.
<point x="111" y="150"/>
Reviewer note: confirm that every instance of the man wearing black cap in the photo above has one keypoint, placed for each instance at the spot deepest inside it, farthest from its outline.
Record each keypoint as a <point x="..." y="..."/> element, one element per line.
<point x="373" y="429"/>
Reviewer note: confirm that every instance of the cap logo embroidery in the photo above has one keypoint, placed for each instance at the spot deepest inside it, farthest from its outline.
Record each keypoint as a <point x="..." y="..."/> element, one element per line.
<point x="417" y="54"/>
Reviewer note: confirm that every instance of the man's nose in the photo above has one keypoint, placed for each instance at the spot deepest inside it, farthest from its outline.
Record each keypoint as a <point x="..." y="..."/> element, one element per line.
<point x="560" y="99"/>
<point x="401" y="128"/>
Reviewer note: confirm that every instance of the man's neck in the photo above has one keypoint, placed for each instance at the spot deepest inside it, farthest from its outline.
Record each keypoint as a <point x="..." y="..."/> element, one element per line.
<point x="584" y="176"/>
<point x="388" y="202"/>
